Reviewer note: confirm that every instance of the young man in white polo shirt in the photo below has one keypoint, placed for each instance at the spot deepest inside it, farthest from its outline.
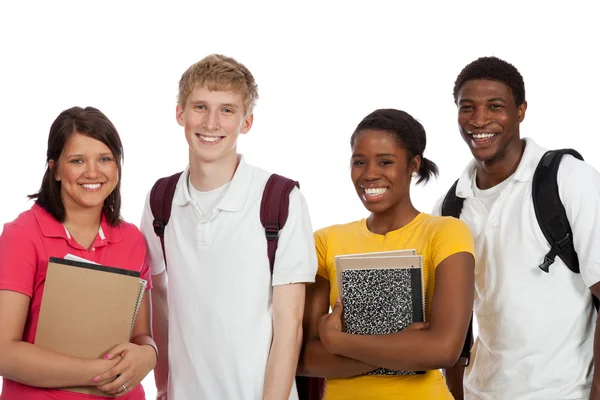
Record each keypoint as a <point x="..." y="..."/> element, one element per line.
<point x="536" y="329"/>
<point x="226" y="328"/>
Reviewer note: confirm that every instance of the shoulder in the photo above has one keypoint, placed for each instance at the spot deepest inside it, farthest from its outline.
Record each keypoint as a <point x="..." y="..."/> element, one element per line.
<point x="129" y="230"/>
<point x="23" y="231"/>
<point x="446" y="226"/>
<point x="338" y="230"/>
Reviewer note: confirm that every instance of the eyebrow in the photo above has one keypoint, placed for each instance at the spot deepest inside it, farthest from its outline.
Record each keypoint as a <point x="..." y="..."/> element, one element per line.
<point x="500" y="99"/>
<point x="378" y="155"/>
<point x="230" y="105"/>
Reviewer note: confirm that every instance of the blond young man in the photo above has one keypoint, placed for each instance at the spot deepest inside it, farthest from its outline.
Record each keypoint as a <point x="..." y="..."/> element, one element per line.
<point x="225" y="328"/>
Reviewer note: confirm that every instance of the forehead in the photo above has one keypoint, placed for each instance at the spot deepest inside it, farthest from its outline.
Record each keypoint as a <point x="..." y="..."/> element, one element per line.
<point x="484" y="90"/>
<point x="79" y="142"/>
<point x="376" y="140"/>
<point x="205" y="95"/>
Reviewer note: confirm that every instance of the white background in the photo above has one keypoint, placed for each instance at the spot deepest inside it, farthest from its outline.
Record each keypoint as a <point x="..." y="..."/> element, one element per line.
<point x="321" y="67"/>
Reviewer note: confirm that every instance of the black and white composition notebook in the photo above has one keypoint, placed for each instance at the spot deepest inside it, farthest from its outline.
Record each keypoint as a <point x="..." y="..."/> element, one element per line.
<point x="382" y="293"/>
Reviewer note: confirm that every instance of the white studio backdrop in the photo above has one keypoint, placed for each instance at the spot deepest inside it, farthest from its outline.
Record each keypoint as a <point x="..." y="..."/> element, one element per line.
<point x="320" y="66"/>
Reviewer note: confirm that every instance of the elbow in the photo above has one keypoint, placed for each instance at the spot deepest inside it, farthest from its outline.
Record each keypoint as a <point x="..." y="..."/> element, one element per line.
<point x="446" y="355"/>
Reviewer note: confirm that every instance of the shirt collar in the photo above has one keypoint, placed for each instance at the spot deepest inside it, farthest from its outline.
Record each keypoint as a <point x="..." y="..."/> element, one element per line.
<point x="524" y="172"/>
<point x="236" y="194"/>
<point x="50" y="227"/>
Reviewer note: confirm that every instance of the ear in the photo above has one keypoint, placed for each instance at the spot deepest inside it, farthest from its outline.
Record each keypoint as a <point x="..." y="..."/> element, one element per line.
<point x="54" y="174"/>
<point x="521" y="111"/>
<point x="415" y="165"/>
<point x="247" y="124"/>
<point x="179" y="114"/>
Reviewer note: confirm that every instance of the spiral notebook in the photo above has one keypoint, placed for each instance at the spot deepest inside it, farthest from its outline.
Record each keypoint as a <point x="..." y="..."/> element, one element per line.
<point x="87" y="309"/>
<point x="382" y="293"/>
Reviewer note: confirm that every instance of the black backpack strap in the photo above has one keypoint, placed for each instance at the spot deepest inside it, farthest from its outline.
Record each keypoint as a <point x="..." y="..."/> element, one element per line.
<point x="452" y="207"/>
<point x="550" y="212"/>
<point x="274" y="210"/>
<point x="161" y="200"/>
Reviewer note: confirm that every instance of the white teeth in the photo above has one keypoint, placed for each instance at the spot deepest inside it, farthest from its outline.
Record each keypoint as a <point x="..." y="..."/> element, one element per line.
<point x="375" y="191"/>
<point x="209" y="138"/>
<point x="483" y="135"/>
<point x="91" y="186"/>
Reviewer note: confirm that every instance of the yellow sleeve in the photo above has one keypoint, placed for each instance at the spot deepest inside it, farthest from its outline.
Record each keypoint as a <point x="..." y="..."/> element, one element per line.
<point x="453" y="236"/>
<point x="321" y="245"/>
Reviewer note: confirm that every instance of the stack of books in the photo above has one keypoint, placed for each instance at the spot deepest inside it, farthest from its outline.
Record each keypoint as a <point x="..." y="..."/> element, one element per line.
<point x="382" y="293"/>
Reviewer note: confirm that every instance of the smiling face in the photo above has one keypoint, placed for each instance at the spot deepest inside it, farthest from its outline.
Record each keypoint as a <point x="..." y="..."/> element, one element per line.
<point x="489" y="119"/>
<point x="212" y="121"/>
<point x="381" y="170"/>
<point x="88" y="173"/>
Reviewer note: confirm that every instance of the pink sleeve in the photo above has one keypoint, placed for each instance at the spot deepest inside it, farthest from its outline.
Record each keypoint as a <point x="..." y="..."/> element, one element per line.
<point x="17" y="261"/>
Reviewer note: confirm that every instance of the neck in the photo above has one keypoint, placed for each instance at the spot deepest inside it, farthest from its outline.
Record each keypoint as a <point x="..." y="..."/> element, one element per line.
<point x="392" y="219"/>
<point x="492" y="172"/>
<point x="209" y="176"/>
<point x="82" y="219"/>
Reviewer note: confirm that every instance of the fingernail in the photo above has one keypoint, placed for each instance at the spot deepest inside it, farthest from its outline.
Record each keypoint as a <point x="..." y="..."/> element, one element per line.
<point x="106" y="357"/>
<point x="96" y="379"/>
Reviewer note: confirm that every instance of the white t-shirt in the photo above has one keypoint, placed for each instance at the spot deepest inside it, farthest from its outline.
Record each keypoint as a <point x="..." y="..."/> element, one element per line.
<point x="220" y="286"/>
<point x="536" y="329"/>
<point x="207" y="201"/>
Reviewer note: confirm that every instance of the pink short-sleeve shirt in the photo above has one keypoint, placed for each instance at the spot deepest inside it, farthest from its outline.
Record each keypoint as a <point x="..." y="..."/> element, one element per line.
<point x="28" y="242"/>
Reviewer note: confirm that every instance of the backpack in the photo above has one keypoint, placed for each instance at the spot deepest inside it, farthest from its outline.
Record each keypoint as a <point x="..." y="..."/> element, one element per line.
<point x="274" y="209"/>
<point x="550" y="214"/>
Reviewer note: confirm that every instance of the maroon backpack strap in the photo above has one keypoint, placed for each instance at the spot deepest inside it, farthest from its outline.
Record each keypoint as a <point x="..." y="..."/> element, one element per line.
<point x="274" y="210"/>
<point x="161" y="200"/>
<point x="273" y="215"/>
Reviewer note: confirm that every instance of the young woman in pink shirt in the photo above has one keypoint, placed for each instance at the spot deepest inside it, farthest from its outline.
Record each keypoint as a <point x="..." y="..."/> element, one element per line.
<point x="76" y="211"/>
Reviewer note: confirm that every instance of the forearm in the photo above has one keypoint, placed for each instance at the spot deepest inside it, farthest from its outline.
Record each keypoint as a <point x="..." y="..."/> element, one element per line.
<point x="317" y="361"/>
<point x="454" y="380"/>
<point x="595" y="392"/>
<point x="412" y="350"/>
<point x="34" y="366"/>
<point x="283" y="359"/>
<point x="160" y="333"/>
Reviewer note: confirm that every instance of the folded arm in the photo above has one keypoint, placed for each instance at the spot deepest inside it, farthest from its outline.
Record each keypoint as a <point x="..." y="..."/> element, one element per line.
<point x="315" y="360"/>
<point x="437" y="347"/>
<point x="32" y="365"/>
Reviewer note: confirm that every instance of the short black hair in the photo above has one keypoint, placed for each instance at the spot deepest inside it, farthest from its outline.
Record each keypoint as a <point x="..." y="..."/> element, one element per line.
<point x="408" y="132"/>
<point x="494" y="69"/>
<point x="90" y="122"/>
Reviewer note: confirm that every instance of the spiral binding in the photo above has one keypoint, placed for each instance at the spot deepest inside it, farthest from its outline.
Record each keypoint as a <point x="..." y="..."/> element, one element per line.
<point x="138" y="304"/>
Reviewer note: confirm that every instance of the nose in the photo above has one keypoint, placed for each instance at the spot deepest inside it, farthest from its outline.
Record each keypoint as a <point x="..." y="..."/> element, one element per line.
<point x="91" y="170"/>
<point x="212" y="121"/>
<point x="481" y="118"/>
<point x="372" y="172"/>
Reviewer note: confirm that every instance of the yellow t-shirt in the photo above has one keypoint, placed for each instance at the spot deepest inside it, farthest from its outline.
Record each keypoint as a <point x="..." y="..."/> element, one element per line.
<point x="434" y="238"/>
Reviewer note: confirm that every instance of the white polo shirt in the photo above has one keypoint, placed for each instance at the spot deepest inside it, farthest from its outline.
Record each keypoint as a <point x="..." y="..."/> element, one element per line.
<point x="220" y="286"/>
<point x="536" y="329"/>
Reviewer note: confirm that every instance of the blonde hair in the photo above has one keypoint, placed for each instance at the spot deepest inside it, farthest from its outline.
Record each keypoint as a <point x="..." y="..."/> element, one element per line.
<point x="219" y="73"/>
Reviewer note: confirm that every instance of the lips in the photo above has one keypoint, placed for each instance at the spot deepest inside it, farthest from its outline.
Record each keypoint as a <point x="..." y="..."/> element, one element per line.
<point x="482" y="138"/>
<point x="206" y="139"/>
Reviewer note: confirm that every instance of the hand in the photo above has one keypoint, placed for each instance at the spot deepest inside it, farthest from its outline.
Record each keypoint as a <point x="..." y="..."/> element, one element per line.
<point x="162" y="396"/>
<point x="330" y="327"/>
<point x="418" y="326"/>
<point x="136" y="362"/>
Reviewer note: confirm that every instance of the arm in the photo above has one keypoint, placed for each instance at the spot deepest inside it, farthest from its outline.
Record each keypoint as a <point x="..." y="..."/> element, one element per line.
<point x="454" y="379"/>
<point x="31" y="365"/>
<point x="315" y="360"/>
<point x="579" y="190"/>
<point x="160" y="328"/>
<point x="438" y="346"/>
<point x="288" y="305"/>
